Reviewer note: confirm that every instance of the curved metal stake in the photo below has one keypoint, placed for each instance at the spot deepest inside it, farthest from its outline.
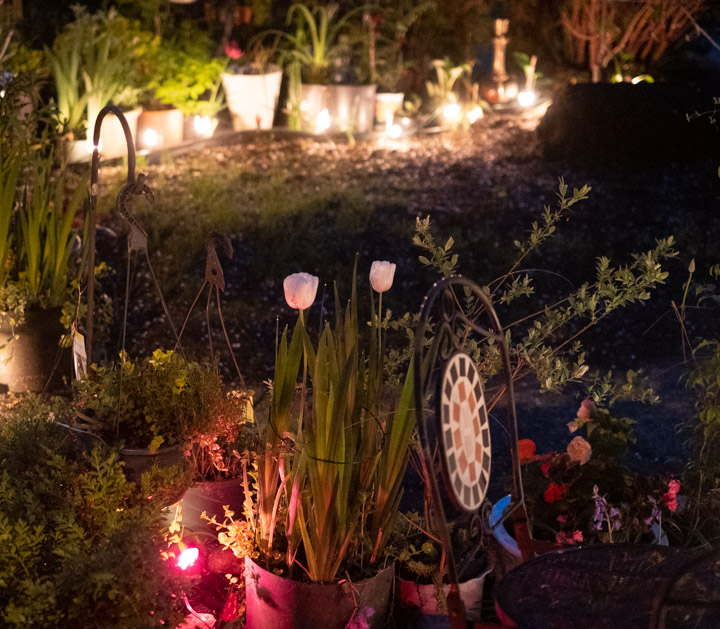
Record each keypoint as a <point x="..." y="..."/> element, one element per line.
<point x="92" y="218"/>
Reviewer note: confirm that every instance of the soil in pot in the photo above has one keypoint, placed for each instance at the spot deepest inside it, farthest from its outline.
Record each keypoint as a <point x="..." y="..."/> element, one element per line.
<point x="274" y="602"/>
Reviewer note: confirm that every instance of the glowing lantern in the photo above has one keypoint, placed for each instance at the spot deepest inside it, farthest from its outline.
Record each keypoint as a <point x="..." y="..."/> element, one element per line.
<point x="474" y="114"/>
<point x="322" y="121"/>
<point x="188" y="557"/>
<point x="451" y="112"/>
<point x="203" y="126"/>
<point x="394" y="131"/>
<point x="526" y="98"/>
<point x="150" y="138"/>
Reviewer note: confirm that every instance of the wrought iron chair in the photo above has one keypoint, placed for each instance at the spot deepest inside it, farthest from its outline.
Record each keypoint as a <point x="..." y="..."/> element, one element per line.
<point x="691" y="598"/>
<point x="453" y="419"/>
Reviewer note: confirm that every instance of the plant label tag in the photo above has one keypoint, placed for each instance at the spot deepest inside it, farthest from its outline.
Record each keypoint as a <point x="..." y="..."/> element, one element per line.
<point x="79" y="355"/>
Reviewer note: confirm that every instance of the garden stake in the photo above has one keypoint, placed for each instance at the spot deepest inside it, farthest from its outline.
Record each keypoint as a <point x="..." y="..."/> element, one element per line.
<point x="137" y="238"/>
<point x="214" y="278"/>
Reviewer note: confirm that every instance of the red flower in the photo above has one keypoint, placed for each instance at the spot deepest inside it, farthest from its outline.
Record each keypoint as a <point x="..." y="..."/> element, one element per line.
<point x="554" y="492"/>
<point x="670" y="498"/>
<point x="526" y="450"/>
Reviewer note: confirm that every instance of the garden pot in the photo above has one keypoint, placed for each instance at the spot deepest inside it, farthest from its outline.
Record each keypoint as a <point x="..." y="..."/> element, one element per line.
<point x="140" y="460"/>
<point x="274" y="602"/>
<point x="30" y="357"/>
<point x="199" y="127"/>
<point x="242" y="15"/>
<point x="159" y="129"/>
<point x="210" y="497"/>
<point x="75" y="151"/>
<point x="351" y="108"/>
<point x="252" y="98"/>
<point x="387" y="105"/>
<point x="418" y="600"/>
<point x="112" y="136"/>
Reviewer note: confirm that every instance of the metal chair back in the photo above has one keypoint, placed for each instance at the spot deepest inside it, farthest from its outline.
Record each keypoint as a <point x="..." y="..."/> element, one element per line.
<point x="453" y="416"/>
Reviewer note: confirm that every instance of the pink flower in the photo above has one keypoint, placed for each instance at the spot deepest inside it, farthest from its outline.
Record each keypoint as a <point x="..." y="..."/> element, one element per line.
<point x="670" y="501"/>
<point x="300" y="290"/>
<point x="233" y="51"/>
<point x="569" y="538"/>
<point x="579" y="450"/>
<point x="586" y="409"/>
<point x="554" y="492"/>
<point x="670" y="498"/>
<point x="381" y="275"/>
<point x="544" y="468"/>
<point x="562" y="519"/>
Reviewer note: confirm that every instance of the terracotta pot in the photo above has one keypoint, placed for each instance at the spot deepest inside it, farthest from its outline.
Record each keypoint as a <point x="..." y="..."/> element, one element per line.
<point x="275" y="602"/>
<point x="75" y="151"/>
<point x="31" y="358"/>
<point x="112" y="136"/>
<point x="242" y="15"/>
<point x="252" y="98"/>
<point x="166" y="125"/>
<point x="349" y="107"/>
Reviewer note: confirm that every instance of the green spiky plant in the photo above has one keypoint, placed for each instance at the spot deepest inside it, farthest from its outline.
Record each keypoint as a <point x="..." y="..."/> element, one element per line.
<point x="335" y="450"/>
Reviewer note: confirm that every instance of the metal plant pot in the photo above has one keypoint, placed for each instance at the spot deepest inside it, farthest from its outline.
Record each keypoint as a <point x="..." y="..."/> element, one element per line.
<point x="140" y="460"/>
<point x="274" y="602"/>
<point x="350" y="108"/>
<point x="424" y="598"/>
<point x="252" y="98"/>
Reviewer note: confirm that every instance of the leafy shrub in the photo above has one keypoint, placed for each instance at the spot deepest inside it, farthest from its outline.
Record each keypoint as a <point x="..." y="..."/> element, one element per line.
<point x="161" y="399"/>
<point x="80" y="547"/>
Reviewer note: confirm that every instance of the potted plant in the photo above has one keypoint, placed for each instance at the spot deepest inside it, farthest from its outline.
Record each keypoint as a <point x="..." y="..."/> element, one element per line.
<point x="149" y="407"/>
<point x="219" y="456"/>
<point x="421" y="569"/>
<point x="81" y="546"/>
<point x="94" y="62"/>
<point x="252" y="89"/>
<point x="328" y="475"/>
<point x="183" y="80"/>
<point x="387" y="26"/>
<point x="324" y="94"/>
<point x="39" y="205"/>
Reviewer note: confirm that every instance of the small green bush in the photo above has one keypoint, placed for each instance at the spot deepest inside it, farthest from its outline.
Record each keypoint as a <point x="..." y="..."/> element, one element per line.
<point x="80" y="547"/>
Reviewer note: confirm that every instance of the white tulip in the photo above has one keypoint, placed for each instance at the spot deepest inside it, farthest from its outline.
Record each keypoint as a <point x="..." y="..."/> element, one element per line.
<point x="381" y="275"/>
<point x="300" y="290"/>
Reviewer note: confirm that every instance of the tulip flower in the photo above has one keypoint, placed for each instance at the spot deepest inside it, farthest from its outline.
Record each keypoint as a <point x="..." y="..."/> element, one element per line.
<point x="381" y="275"/>
<point x="300" y="290"/>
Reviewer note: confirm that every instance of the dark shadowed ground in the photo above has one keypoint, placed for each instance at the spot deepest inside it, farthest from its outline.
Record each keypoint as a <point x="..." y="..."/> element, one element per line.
<point x="293" y="203"/>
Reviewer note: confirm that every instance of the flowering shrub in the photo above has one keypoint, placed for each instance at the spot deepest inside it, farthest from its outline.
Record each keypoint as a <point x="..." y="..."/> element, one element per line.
<point x="587" y="493"/>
